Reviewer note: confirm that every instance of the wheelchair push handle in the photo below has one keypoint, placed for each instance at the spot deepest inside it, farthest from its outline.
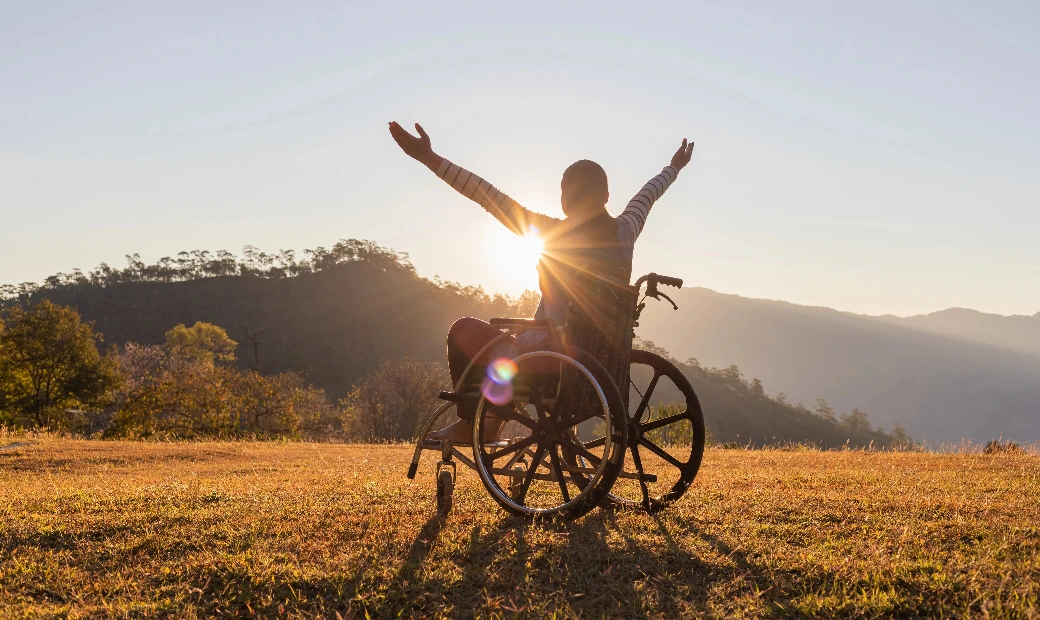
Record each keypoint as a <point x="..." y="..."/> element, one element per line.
<point x="669" y="281"/>
<point x="652" y="280"/>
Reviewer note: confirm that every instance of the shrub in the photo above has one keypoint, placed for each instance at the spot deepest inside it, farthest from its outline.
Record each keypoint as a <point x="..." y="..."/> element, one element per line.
<point x="995" y="447"/>
<point x="188" y="388"/>
<point x="392" y="403"/>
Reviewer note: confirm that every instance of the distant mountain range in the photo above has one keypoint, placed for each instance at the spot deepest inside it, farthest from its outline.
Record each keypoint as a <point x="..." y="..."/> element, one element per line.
<point x="945" y="376"/>
<point x="1015" y="333"/>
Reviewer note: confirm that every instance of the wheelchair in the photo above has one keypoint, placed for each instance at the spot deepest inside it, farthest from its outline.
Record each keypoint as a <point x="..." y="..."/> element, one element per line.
<point x="580" y="430"/>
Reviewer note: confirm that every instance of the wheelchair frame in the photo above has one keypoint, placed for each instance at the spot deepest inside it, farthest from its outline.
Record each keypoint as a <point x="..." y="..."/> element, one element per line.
<point x="599" y="480"/>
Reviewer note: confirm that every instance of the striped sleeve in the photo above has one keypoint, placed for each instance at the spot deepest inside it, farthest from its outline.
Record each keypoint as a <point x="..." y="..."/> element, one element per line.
<point x="516" y="218"/>
<point x="633" y="218"/>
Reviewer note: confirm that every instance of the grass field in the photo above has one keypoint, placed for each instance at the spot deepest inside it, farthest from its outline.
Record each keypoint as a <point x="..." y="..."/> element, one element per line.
<point x="291" y="529"/>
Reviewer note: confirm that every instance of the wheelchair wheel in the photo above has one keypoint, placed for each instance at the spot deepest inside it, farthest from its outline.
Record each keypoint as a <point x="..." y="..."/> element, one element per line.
<point x="666" y="441"/>
<point x="445" y="490"/>
<point x="560" y="396"/>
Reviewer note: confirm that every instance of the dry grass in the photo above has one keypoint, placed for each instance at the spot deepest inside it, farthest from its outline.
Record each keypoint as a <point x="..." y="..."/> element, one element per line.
<point x="290" y="529"/>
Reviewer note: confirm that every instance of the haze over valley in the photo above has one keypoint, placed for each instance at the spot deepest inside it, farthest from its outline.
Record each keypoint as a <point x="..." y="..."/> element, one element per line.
<point x="951" y="374"/>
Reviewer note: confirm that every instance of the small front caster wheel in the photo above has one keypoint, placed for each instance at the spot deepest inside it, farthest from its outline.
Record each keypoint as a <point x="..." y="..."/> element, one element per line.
<point x="445" y="487"/>
<point x="519" y="472"/>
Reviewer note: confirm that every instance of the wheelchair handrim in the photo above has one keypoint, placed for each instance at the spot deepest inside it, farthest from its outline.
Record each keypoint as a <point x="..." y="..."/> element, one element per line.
<point x="493" y="485"/>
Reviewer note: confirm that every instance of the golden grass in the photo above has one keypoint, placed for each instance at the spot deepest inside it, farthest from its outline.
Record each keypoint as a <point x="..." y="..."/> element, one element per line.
<point x="291" y="529"/>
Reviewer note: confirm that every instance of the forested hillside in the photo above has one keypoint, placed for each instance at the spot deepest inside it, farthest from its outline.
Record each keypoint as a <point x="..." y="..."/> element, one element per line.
<point x="334" y="316"/>
<point x="738" y="410"/>
<point x="337" y="314"/>
<point x="942" y="385"/>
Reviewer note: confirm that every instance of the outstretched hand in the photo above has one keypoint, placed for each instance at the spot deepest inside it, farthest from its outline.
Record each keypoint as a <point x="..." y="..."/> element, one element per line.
<point x="681" y="157"/>
<point x="418" y="148"/>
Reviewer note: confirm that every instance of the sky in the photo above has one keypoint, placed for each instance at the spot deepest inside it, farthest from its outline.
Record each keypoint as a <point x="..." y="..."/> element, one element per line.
<point x="875" y="157"/>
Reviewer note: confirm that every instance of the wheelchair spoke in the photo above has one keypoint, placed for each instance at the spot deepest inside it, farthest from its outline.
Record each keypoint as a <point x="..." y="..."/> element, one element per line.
<point x="639" y="470"/>
<point x="539" y="406"/>
<point x="665" y="441"/>
<point x="515" y="416"/>
<point x="558" y="470"/>
<point x="571" y="422"/>
<point x="579" y="449"/>
<point x="529" y="478"/>
<point x="520" y="445"/>
<point x="660" y="452"/>
<point x="649" y="426"/>
<point x="646" y="397"/>
<point x="595" y="443"/>
<point x="516" y="458"/>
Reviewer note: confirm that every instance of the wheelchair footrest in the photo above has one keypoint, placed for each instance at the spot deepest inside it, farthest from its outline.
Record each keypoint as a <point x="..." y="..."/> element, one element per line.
<point x="469" y="399"/>
<point x="437" y="444"/>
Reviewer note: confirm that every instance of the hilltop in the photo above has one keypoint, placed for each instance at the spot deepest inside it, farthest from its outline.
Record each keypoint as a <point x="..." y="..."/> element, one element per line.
<point x="337" y="314"/>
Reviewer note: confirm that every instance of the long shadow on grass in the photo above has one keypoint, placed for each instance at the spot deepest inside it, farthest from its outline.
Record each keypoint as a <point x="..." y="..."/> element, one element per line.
<point x="776" y="588"/>
<point x="590" y="566"/>
<point x="604" y="564"/>
<point x="597" y="566"/>
<point x="643" y="575"/>
<point x="408" y="585"/>
<point x="239" y="589"/>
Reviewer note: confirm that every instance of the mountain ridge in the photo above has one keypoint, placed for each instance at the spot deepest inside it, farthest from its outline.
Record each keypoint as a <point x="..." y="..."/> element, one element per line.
<point x="942" y="388"/>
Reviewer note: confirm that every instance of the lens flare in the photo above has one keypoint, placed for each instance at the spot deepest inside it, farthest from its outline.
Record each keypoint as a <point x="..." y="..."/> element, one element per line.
<point x="496" y="393"/>
<point x="501" y="371"/>
<point x="497" y="387"/>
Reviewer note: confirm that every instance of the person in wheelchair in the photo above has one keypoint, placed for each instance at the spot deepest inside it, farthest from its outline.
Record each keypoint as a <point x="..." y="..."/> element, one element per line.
<point x="588" y="241"/>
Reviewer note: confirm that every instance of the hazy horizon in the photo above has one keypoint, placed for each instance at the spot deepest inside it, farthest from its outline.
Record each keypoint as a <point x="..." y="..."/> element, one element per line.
<point x="875" y="159"/>
<point x="491" y="291"/>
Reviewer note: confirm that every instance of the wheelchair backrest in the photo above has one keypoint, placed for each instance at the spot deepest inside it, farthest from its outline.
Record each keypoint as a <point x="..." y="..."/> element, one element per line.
<point x="600" y="321"/>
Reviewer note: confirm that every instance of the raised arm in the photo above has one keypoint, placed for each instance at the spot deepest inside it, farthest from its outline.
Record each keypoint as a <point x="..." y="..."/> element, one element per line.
<point x="638" y="209"/>
<point x="515" y="217"/>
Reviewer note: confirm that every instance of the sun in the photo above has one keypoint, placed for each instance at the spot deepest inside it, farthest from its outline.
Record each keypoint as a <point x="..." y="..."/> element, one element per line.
<point x="514" y="259"/>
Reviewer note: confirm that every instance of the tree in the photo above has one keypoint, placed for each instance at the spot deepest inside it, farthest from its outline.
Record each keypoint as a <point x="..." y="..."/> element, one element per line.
<point x="49" y="363"/>
<point x="757" y="389"/>
<point x="527" y="303"/>
<point x="901" y="440"/>
<point x="202" y="342"/>
<point x="856" y="421"/>
<point x="825" y="411"/>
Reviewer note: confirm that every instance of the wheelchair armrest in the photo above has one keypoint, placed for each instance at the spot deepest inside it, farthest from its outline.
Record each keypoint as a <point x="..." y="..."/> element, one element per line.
<point x="526" y="323"/>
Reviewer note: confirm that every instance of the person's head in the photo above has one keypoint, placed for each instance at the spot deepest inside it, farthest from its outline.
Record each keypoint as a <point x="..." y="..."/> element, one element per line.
<point x="584" y="190"/>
